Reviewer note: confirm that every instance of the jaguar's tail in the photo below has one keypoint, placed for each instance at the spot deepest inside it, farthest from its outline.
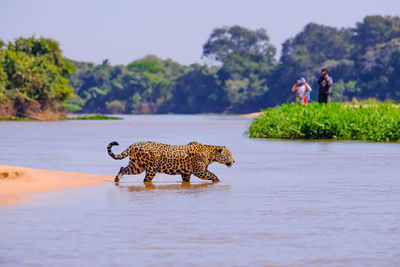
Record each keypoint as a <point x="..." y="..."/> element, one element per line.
<point x="119" y="156"/>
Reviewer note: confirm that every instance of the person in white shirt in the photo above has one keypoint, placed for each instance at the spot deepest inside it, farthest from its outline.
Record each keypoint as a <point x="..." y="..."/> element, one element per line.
<point x="301" y="88"/>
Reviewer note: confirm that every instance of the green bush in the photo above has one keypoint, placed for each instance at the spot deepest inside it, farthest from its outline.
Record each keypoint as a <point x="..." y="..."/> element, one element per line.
<point x="94" y="117"/>
<point x="72" y="107"/>
<point x="15" y="119"/>
<point x="374" y="122"/>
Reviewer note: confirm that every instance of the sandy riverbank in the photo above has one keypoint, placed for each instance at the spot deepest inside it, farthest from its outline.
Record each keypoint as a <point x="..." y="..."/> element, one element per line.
<point x="250" y="115"/>
<point x="18" y="183"/>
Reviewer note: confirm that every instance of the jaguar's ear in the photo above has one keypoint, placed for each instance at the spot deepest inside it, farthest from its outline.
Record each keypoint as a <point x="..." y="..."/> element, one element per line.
<point x="219" y="150"/>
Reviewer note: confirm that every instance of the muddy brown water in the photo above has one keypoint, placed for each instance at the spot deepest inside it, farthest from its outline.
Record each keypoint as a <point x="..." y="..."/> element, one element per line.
<point x="282" y="203"/>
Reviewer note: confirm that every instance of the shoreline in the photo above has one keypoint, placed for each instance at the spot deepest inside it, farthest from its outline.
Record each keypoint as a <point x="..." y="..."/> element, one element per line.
<point x="66" y="118"/>
<point x="18" y="184"/>
<point x="250" y="115"/>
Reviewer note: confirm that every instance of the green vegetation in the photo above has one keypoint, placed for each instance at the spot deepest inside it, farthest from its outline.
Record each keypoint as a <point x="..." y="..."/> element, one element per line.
<point x="33" y="78"/>
<point x="81" y="117"/>
<point x="152" y="85"/>
<point x="15" y="119"/>
<point x="243" y="74"/>
<point x="363" y="61"/>
<point x="374" y="122"/>
<point x="142" y="86"/>
<point x="94" y="117"/>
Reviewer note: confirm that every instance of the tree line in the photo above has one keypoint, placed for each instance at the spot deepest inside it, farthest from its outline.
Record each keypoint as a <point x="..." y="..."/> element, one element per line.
<point x="33" y="77"/>
<point x="363" y="61"/>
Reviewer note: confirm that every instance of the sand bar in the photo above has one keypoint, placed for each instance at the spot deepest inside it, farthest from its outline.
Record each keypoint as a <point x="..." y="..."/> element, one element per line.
<point x="250" y="115"/>
<point x="18" y="183"/>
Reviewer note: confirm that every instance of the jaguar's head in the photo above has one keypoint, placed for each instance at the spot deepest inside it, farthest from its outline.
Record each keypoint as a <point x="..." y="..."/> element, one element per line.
<point x="224" y="156"/>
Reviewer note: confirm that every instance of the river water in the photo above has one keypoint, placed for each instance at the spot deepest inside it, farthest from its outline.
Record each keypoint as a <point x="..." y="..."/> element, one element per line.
<point x="283" y="203"/>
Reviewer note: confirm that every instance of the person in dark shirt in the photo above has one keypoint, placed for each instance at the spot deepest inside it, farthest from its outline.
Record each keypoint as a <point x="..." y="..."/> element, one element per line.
<point x="325" y="87"/>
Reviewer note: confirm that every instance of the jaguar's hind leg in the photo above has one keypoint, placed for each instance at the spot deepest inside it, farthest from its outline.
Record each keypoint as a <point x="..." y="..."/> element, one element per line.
<point x="185" y="177"/>
<point x="119" y="175"/>
<point x="127" y="170"/>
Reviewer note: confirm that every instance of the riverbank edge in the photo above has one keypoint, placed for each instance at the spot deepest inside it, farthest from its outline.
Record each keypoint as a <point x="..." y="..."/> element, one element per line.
<point x="78" y="117"/>
<point x="18" y="184"/>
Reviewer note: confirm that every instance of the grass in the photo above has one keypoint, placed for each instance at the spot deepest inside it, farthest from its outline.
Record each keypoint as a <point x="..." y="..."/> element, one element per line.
<point x="379" y="122"/>
<point x="94" y="117"/>
<point x="83" y="117"/>
<point x="15" y="119"/>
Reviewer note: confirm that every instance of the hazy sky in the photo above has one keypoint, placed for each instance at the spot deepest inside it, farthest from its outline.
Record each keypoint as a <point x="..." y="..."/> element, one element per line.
<point x="123" y="31"/>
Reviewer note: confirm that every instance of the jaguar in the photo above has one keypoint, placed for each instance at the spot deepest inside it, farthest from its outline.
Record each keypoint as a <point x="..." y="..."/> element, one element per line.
<point x="185" y="160"/>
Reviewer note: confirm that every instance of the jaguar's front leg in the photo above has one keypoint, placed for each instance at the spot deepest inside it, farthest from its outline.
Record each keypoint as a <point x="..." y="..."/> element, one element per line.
<point x="207" y="175"/>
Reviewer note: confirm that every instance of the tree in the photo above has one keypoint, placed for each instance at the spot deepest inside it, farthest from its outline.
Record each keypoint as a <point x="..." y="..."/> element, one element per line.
<point x="375" y="30"/>
<point x="3" y="75"/>
<point x="35" y="74"/>
<point x="247" y="59"/>
<point x="364" y="61"/>
<point x="314" y="48"/>
<point x="238" y="40"/>
<point x="378" y="71"/>
<point x="140" y="87"/>
<point x="197" y="91"/>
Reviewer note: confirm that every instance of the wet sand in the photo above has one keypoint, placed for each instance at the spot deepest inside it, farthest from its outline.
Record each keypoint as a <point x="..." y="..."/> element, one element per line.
<point x="17" y="184"/>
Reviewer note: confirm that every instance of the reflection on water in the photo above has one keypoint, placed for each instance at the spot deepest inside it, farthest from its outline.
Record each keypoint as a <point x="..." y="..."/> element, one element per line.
<point x="183" y="185"/>
<point x="283" y="203"/>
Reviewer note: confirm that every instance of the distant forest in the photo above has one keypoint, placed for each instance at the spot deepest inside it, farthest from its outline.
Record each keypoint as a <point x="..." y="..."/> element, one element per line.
<point x="364" y="62"/>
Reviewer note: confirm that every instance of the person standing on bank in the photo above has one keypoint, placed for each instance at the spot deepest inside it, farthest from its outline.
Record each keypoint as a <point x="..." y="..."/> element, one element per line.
<point x="325" y="87"/>
<point x="302" y="89"/>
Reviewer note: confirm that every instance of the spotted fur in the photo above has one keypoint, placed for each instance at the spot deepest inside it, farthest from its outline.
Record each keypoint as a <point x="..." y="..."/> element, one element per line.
<point x="185" y="160"/>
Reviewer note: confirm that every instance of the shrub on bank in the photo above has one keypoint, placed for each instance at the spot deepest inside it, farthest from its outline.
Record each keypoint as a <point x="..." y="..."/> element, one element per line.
<point x="94" y="117"/>
<point x="375" y="122"/>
